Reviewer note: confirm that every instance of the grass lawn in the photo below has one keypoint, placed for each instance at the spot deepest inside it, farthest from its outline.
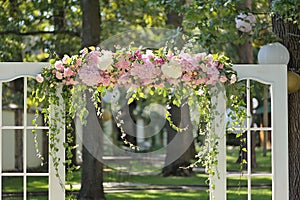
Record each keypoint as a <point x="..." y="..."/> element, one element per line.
<point x="14" y="184"/>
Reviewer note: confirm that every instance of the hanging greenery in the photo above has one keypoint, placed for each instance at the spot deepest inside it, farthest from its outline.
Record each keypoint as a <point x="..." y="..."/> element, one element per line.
<point x="174" y="75"/>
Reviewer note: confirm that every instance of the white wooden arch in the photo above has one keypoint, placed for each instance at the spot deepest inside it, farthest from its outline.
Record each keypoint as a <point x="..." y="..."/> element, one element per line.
<point x="8" y="72"/>
<point x="275" y="75"/>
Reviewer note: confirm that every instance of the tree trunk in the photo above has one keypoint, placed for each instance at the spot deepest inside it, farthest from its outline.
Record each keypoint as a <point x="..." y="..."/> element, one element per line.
<point x="92" y="152"/>
<point x="59" y="21"/>
<point x="17" y="88"/>
<point x="289" y="33"/>
<point x="245" y="52"/>
<point x="92" y="168"/>
<point x="183" y="143"/>
<point x="181" y="147"/>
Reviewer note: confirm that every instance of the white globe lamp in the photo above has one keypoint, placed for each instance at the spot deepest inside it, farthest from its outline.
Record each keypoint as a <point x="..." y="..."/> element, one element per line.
<point x="273" y="53"/>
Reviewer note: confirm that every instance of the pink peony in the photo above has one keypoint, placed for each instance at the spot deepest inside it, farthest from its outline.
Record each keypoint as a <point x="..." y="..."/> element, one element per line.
<point x="71" y="81"/>
<point x="148" y="56"/>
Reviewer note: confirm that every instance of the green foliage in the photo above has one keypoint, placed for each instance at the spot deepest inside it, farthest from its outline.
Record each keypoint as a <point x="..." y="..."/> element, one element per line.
<point x="32" y="32"/>
<point x="212" y="23"/>
<point x="122" y="15"/>
<point x="289" y="10"/>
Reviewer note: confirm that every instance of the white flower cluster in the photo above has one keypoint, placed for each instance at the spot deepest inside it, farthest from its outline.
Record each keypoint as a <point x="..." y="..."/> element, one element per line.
<point x="245" y="22"/>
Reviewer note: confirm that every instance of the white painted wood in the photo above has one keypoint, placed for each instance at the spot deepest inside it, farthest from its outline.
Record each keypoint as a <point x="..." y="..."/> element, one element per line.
<point x="13" y="70"/>
<point x="276" y="75"/>
<point x="1" y="140"/>
<point x="219" y="127"/>
<point x="248" y="132"/>
<point x="25" y="138"/>
<point x="57" y="183"/>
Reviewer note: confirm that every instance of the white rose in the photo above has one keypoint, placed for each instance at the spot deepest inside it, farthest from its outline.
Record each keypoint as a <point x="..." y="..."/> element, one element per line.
<point x="105" y="60"/>
<point x="171" y="69"/>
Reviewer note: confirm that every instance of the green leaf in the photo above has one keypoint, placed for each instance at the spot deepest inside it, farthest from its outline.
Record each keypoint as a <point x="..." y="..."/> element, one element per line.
<point x="130" y="100"/>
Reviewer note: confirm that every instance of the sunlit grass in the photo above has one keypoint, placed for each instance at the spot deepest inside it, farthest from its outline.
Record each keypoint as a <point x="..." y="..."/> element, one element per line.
<point x="163" y="195"/>
<point x="236" y="185"/>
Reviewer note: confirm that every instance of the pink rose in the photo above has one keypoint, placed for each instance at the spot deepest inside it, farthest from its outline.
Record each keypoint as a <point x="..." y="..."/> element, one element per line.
<point x="59" y="65"/>
<point x="223" y="79"/>
<point x="221" y="66"/>
<point x="233" y="78"/>
<point x="58" y="75"/>
<point x="66" y="59"/>
<point x="71" y="82"/>
<point x="68" y="72"/>
<point x="39" y="78"/>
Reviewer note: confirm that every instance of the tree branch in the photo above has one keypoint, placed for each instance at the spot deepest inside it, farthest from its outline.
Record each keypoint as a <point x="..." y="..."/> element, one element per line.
<point x="16" y="32"/>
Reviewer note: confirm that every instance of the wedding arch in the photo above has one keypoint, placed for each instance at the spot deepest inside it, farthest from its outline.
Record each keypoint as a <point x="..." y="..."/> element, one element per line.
<point x="171" y="74"/>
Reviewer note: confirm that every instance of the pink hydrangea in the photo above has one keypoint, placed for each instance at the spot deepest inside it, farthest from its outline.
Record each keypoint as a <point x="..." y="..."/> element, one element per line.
<point x="146" y="73"/>
<point x="213" y="75"/>
<point x="93" y="58"/>
<point x="122" y="63"/>
<point x="89" y="75"/>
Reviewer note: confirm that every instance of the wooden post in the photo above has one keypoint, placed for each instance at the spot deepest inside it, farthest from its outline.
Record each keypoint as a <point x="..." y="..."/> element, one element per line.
<point x="218" y="127"/>
<point x="57" y="183"/>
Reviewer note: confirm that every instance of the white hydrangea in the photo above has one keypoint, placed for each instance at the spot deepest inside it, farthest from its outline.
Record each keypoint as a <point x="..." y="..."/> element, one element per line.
<point x="105" y="60"/>
<point x="172" y="69"/>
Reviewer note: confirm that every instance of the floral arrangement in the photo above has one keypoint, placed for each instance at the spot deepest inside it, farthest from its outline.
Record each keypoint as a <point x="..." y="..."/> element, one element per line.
<point x="133" y="68"/>
<point x="173" y="74"/>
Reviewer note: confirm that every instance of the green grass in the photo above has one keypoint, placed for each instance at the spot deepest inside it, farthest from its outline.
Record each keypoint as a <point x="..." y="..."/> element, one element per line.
<point x="190" y="195"/>
<point x="29" y="198"/>
<point x="15" y="184"/>
<point x="257" y="194"/>
<point x="263" y="163"/>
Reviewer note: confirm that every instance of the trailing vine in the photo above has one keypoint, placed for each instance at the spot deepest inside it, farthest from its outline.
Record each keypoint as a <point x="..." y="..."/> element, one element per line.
<point x="177" y="77"/>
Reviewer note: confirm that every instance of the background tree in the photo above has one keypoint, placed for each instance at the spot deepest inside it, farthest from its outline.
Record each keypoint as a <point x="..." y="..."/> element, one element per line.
<point x="286" y="26"/>
<point x="181" y="118"/>
<point x="92" y="168"/>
